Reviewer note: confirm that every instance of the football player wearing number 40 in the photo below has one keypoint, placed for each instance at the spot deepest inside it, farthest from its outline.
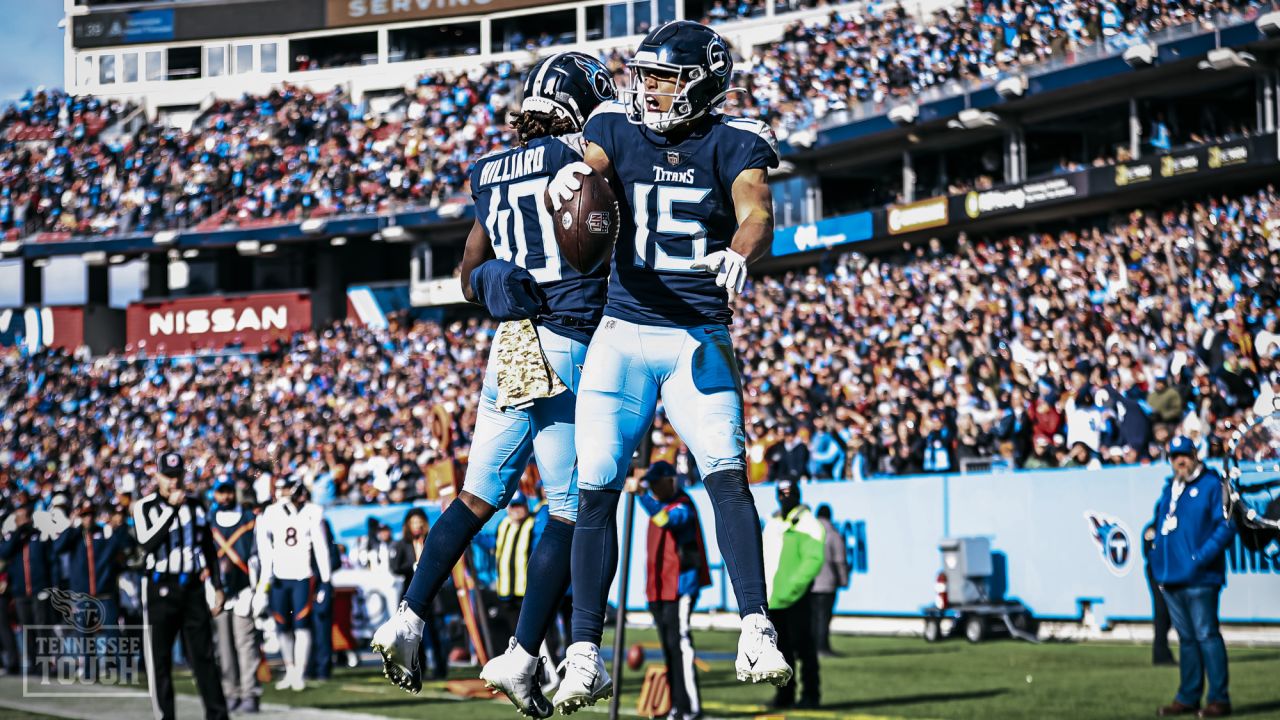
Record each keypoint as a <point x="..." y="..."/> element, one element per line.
<point x="696" y="210"/>
<point x="512" y="265"/>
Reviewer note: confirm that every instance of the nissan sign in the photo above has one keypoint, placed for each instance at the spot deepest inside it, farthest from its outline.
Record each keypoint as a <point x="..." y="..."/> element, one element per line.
<point x="215" y="322"/>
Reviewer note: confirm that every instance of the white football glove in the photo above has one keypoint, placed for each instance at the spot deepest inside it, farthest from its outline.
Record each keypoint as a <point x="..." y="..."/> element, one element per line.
<point x="566" y="183"/>
<point x="730" y="270"/>
<point x="258" y="608"/>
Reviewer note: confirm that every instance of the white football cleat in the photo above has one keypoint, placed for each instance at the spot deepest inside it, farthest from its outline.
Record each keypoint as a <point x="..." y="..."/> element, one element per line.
<point x="548" y="677"/>
<point x="399" y="642"/>
<point x="517" y="674"/>
<point x="292" y="681"/>
<point x="585" y="680"/>
<point x="758" y="656"/>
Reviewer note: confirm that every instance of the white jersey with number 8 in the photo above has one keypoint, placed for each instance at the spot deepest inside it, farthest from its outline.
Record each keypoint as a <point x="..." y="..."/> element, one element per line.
<point x="288" y="536"/>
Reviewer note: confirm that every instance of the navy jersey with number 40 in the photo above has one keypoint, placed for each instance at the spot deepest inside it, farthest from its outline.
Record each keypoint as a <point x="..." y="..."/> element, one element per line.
<point x="508" y="189"/>
<point x="679" y="199"/>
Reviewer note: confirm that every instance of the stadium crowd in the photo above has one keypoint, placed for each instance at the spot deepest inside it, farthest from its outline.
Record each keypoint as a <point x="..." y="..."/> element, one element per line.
<point x="1068" y="349"/>
<point x="295" y="153"/>
<point x="886" y="54"/>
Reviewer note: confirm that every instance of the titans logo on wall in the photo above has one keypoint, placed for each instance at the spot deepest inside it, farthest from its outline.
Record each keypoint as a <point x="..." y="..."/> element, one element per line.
<point x="1113" y="539"/>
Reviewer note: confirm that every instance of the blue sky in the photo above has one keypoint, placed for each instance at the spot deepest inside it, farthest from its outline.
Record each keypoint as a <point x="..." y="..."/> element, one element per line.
<point x="30" y="48"/>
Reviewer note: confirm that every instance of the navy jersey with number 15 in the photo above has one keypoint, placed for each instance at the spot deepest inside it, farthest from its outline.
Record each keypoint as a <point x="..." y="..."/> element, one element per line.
<point x="508" y="189"/>
<point x="678" y="198"/>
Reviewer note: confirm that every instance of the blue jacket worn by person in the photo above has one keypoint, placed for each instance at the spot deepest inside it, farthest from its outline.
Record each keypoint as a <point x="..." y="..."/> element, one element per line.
<point x="1192" y="532"/>
<point x="95" y="556"/>
<point x="677" y="557"/>
<point x="30" y="561"/>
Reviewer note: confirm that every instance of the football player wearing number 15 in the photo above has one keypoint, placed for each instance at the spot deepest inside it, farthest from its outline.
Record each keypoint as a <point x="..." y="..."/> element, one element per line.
<point x="512" y="265"/>
<point x="696" y="210"/>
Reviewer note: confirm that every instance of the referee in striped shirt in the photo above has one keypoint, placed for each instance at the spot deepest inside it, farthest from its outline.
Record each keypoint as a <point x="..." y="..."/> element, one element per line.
<point x="173" y="531"/>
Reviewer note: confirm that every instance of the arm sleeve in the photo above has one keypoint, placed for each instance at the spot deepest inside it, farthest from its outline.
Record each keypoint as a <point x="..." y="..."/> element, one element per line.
<point x="1223" y="530"/>
<point x="151" y="535"/>
<point x="649" y="503"/>
<point x="678" y="516"/>
<point x="320" y="546"/>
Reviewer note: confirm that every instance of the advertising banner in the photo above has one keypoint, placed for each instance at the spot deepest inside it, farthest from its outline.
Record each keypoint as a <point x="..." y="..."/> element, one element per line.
<point x="196" y="21"/>
<point x="341" y="13"/>
<point x="1191" y="162"/>
<point x="214" y="322"/>
<point x="822" y="235"/>
<point x="999" y="201"/>
<point x="38" y="328"/>
<point x="1066" y="538"/>
<point x="919" y="215"/>
<point x="1063" y="539"/>
<point x="123" y="28"/>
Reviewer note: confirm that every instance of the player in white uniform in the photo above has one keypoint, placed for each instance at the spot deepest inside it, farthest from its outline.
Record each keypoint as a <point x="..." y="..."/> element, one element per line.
<point x="290" y="534"/>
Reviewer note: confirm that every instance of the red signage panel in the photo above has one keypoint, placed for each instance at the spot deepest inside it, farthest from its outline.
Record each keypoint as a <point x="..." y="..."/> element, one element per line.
<point x="215" y="322"/>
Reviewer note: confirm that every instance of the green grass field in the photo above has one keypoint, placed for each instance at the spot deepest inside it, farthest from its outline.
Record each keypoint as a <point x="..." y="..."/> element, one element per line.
<point x="880" y="678"/>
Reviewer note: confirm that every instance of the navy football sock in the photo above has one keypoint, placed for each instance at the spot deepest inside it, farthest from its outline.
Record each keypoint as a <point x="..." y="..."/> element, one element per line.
<point x="549" y="567"/>
<point x="595" y="560"/>
<point x="738" y="535"/>
<point x="446" y="542"/>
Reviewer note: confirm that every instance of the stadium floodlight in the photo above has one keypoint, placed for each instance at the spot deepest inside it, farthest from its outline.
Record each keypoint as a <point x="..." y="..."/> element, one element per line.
<point x="1226" y="59"/>
<point x="1140" y="55"/>
<point x="1269" y="24"/>
<point x="397" y="234"/>
<point x="118" y="259"/>
<point x="165" y="237"/>
<point x="313" y="226"/>
<point x="94" y="257"/>
<point x="248" y="247"/>
<point x="338" y="240"/>
<point x="904" y="114"/>
<point x="190" y="253"/>
<point x="267" y="248"/>
<point x="1011" y="88"/>
<point x="973" y="119"/>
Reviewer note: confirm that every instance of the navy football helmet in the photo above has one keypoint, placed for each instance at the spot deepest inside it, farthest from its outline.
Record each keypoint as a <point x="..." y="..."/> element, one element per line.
<point x="699" y="60"/>
<point x="569" y="84"/>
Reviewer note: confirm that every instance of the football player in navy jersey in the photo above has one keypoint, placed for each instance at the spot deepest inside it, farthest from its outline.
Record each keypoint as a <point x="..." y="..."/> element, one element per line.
<point x="696" y="206"/>
<point x="512" y="266"/>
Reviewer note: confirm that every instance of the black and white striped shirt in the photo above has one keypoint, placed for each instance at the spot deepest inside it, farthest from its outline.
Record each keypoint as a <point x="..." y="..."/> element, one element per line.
<point x="176" y="540"/>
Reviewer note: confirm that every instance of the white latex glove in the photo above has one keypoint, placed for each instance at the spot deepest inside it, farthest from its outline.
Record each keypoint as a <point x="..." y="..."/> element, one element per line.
<point x="566" y="183"/>
<point x="730" y="270"/>
<point x="259" y="606"/>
